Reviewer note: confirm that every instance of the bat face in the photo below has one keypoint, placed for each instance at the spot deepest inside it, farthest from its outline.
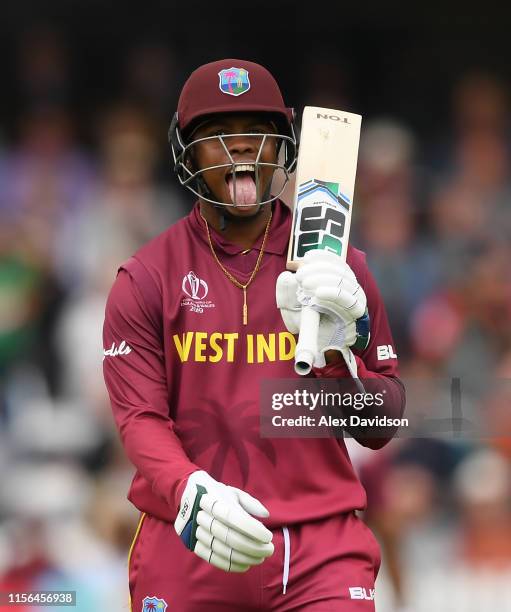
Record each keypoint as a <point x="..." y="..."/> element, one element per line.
<point x="325" y="181"/>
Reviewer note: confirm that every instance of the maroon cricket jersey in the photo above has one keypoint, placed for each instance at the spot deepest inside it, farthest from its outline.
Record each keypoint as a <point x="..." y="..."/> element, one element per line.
<point x="183" y="374"/>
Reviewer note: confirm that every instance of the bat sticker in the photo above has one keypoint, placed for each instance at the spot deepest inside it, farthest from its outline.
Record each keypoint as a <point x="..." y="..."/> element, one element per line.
<point x="320" y="218"/>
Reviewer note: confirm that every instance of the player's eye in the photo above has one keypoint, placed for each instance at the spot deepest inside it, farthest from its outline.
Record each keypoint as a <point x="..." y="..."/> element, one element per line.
<point x="213" y="130"/>
<point x="260" y="129"/>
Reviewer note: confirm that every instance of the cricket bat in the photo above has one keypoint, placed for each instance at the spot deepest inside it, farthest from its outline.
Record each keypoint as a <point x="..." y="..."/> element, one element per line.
<point x="323" y="202"/>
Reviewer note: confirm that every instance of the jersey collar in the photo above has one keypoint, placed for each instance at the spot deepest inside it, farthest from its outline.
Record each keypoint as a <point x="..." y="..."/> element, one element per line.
<point x="278" y="237"/>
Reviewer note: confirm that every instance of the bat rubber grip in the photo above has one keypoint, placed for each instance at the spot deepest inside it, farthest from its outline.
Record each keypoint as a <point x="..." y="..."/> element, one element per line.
<point x="307" y="346"/>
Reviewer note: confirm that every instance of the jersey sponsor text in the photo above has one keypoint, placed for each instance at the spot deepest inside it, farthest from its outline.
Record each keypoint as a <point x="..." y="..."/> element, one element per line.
<point x="362" y="593"/>
<point x="114" y="351"/>
<point x="385" y="351"/>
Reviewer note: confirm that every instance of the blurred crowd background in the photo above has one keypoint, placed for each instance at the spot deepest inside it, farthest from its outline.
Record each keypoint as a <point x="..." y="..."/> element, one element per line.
<point x="85" y="179"/>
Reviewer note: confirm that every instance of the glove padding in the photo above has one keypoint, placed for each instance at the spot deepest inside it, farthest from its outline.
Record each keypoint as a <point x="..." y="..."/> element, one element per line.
<point x="327" y="284"/>
<point x="214" y="522"/>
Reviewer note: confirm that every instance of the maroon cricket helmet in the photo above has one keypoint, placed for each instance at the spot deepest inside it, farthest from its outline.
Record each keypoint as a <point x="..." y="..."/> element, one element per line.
<point x="231" y="86"/>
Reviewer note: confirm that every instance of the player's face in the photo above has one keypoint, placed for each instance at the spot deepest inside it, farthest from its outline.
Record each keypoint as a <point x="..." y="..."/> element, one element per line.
<point x="240" y="189"/>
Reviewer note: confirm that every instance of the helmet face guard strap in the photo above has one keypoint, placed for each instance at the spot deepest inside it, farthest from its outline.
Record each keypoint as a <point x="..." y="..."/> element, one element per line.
<point x="193" y="179"/>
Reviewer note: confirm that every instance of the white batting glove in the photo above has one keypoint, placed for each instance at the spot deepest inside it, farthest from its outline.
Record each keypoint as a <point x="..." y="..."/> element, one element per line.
<point x="328" y="285"/>
<point x="215" y="522"/>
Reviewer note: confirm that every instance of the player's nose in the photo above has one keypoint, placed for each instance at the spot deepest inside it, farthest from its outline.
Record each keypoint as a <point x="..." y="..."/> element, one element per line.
<point x="243" y="145"/>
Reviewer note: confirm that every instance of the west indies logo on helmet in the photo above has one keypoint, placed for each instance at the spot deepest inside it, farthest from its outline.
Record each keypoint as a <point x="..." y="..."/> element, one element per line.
<point x="225" y="87"/>
<point x="234" y="81"/>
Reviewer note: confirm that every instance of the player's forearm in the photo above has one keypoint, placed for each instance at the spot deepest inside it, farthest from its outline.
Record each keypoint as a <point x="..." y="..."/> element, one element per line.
<point x="157" y="453"/>
<point x="390" y="407"/>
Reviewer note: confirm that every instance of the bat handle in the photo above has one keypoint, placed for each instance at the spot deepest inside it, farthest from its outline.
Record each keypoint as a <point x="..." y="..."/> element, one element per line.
<point x="307" y="346"/>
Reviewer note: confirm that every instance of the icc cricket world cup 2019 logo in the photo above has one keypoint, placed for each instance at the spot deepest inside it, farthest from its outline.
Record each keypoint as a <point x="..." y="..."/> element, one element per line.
<point x="196" y="291"/>
<point x="194" y="286"/>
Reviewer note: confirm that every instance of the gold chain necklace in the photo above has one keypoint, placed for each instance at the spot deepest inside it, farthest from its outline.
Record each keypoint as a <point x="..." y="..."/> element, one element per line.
<point x="233" y="280"/>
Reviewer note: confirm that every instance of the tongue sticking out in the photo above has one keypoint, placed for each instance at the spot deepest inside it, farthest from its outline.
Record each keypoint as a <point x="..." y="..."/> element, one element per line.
<point x="245" y="189"/>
